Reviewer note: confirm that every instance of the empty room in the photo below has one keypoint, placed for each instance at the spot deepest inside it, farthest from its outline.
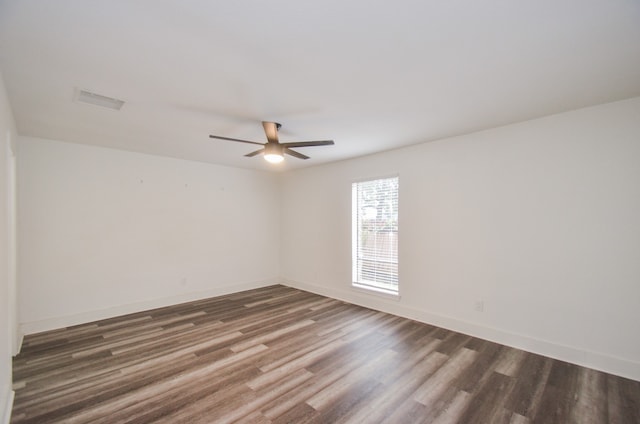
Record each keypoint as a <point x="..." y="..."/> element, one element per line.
<point x="320" y="212"/>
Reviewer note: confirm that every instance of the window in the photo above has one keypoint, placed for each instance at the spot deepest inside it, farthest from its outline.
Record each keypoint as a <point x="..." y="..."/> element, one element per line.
<point x="375" y="235"/>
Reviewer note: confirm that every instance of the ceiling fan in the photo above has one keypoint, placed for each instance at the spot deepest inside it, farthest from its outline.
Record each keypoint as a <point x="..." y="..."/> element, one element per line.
<point x="273" y="150"/>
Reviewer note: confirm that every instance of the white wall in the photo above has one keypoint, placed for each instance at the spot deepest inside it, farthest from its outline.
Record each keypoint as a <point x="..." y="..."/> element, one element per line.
<point x="104" y="232"/>
<point x="7" y="253"/>
<point x="540" y="220"/>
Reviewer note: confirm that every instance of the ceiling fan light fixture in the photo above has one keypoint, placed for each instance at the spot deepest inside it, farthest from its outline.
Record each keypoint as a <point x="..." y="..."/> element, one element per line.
<point x="273" y="153"/>
<point x="271" y="158"/>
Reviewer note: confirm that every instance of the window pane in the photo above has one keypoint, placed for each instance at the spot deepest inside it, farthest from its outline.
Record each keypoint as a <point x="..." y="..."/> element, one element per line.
<point x="375" y="235"/>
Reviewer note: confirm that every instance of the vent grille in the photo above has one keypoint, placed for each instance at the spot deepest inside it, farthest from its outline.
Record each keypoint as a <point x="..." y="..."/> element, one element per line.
<point x="84" y="96"/>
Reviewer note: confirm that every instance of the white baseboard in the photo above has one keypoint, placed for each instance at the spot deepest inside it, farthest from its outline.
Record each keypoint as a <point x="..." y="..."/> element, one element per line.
<point x="595" y="360"/>
<point x="7" y="406"/>
<point x="33" y="327"/>
<point x="18" y="343"/>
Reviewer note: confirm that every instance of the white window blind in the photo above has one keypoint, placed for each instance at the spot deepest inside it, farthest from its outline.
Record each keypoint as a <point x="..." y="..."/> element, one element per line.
<point x="375" y="234"/>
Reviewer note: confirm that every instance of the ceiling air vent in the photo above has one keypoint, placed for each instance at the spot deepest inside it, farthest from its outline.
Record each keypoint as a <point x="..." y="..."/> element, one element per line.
<point x="85" y="96"/>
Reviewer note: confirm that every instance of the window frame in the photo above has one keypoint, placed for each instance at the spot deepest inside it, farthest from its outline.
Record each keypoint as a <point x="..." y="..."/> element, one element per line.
<point x="368" y="287"/>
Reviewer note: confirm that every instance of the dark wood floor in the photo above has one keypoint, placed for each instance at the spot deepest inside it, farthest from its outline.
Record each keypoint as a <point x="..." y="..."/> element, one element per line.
<point x="280" y="355"/>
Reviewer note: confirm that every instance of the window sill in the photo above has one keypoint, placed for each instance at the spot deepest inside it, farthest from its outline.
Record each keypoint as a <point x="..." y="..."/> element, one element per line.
<point x="375" y="291"/>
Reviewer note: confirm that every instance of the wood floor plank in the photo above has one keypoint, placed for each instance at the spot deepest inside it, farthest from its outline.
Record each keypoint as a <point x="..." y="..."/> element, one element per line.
<point x="531" y="378"/>
<point x="488" y="405"/>
<point x="282" y="355"/>
<point x="397" y="394"/>
<point x="435" y="386"/>
<point x="334" y="393"/>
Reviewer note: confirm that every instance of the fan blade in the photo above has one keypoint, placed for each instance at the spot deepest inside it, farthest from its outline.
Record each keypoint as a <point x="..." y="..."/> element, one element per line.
<point x="308" y="143"/>
<point x="252" y="154"/>
<point x="235" y="139"/>
<point x="271" y="130"/>
<point x="295" y="154"/>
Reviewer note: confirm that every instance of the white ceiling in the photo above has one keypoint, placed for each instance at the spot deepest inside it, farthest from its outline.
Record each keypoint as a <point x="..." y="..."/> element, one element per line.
<point x="371" y="75"/>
